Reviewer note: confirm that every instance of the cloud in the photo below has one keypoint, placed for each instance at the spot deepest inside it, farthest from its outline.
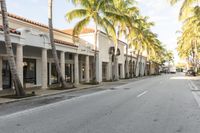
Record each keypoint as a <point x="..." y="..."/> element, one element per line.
<point x="35" y="1"/>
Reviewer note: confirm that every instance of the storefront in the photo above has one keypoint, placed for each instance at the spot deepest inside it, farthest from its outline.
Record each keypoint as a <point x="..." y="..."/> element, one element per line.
<point x="6" y="75"/>
<point x="29" y="72"/>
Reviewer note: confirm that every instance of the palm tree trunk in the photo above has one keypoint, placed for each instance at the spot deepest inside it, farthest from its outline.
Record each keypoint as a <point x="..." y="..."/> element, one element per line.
<point x="141" y="64"/>
<point x="126" y="65"/>
<point x="136" y="65"/>
<point x="196" y="56"/>
<point x="116" y="75"/>
<point x="95" y="55"/>
<point x="54" y="52"/>
<point x="9" y="50"/>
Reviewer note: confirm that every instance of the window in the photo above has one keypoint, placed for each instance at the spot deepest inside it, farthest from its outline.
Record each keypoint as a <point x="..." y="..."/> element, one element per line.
<point x="68" y="72"/>
<point x="6" y="75"/>
<point x="30" y="71"/>
<point x="54" y="74"/>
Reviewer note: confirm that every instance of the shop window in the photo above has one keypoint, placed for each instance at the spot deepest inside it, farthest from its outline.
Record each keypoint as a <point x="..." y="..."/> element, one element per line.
<point x="6" y="75"/>
<point x="54" y="74"/>
<point x="70" y="56"/>
<point x="29" y="71"/>
<point x="68" y="72"/>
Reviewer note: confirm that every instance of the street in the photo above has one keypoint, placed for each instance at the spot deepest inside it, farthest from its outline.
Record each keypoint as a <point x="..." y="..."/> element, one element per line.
<point x="162" y="104"/>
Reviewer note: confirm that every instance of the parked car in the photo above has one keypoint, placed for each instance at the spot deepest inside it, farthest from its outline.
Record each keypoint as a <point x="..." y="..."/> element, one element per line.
<point x="172" y="70"/>
<point x="190" y="73"/>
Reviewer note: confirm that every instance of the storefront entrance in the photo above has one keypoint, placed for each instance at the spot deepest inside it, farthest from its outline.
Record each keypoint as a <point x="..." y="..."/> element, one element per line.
<point x="29" y="72"/>
<point x="6" y="75"/>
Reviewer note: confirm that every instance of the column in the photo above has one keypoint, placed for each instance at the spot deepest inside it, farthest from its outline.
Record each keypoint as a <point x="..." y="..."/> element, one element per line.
<point x="44" y="69"/>
<point x="1" y="81"/>
<point x="98" y="69"/>
<point x="108" y="71"/>
<point x="127" y="65"/>
<point x="72" y="73"/>
<point x="76" y="69"/>
<point x="110" y="65"/>
<point x="122" y="71"/>
<point x="131" y="68"/>
<point x="87" y="69"/>
<point x="49" y="72"/>
<point x="19" y="61"/>
<point x="116" y="69"/>
<point x="80" y="69"/>
<point x="62" y="63"/>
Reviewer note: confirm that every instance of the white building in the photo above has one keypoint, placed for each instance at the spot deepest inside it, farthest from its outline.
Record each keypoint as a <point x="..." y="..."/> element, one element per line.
<point x="35" y="63"/>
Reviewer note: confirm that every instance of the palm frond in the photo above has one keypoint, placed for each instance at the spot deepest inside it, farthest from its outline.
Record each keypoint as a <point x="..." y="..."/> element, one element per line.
<point x="80" y="25"/>
<point x="77" y="13"/>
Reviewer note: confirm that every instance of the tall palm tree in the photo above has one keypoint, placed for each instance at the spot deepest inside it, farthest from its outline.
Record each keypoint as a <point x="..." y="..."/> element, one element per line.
<point x="186" y="7"/>
<point x="189" y="41"/>
<point x="9" y="50"/>
<point x="54" y="52"/>
<point x="139" y="38"/>
<point x="92" y="11"/>
<point x="128" y="12"/>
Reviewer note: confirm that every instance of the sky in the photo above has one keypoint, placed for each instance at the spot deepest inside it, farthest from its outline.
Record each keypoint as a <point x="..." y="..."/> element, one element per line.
<point x="160" y="11"/>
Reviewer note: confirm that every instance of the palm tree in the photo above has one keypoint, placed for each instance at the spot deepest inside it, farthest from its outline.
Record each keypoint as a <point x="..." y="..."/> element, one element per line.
<point x="9" y="50"/>
<point x="95" y="11"/>
<point x="185" y="8"/>
<point x="139" y="38"/>
<point x="128" y="12"/>
<point x="189" y="41"/>
<point x="54" y="52"/>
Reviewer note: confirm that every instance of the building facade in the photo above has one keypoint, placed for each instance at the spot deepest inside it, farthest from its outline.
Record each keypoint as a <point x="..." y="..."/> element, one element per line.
<point x="35" y="64"/>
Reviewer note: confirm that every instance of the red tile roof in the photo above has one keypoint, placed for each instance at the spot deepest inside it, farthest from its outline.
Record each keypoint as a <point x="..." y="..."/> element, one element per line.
<point x="64" y="43"/>
<point x="84" y="31"/>
<point x="31" y="22"/>
<point x="40" y="25"/>
<point x="14" y="31"/>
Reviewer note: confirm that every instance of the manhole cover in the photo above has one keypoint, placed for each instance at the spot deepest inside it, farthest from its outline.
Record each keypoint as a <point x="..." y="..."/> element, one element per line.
<point x="70" y="97"/>
<point x="195" y="90"/>
<point x="112" y="88"/>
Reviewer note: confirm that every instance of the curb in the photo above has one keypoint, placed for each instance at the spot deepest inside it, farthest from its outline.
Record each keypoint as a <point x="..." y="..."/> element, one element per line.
<point x="47" y="95"/>
<point x="69" y="90"/>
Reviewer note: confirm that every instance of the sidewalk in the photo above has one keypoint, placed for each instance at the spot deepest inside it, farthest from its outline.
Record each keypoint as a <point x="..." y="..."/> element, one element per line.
<point x="196" y="81"/>
<point x="50" y="92"/>
<point x="195" y="88"/>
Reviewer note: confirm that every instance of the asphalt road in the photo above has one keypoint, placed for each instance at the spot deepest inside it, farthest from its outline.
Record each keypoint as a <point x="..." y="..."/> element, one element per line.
<point x="163" y="104"/>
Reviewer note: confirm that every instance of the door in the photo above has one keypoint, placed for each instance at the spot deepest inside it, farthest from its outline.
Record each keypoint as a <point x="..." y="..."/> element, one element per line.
<point x="6" y="75"/>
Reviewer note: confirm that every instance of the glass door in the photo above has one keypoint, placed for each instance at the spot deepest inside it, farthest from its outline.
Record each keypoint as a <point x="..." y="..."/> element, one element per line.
<point x="30" y="71"/>
<point x="6" y="75"/>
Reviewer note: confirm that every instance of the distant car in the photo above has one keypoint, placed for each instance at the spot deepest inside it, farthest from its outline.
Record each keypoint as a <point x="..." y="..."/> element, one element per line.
<point x="190" y="73"/>
<point x="184" y="70"/>
<point x="172" y="70"/>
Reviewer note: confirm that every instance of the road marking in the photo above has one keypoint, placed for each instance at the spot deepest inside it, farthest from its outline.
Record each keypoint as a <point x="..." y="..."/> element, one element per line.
<point x="141" y="94"/>
<point x="193" y="88"/>
<point x="196" y="96"/>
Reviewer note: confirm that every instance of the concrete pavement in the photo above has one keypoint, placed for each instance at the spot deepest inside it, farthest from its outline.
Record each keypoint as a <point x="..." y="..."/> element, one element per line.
<point x="51" y="92"/>
<point x="163" y="104"/>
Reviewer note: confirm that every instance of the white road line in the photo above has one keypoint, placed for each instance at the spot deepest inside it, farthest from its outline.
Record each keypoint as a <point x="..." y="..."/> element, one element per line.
<point x="196" y="96"/>
<point x="141" y="94"/>
<point x="194" y="87"/>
